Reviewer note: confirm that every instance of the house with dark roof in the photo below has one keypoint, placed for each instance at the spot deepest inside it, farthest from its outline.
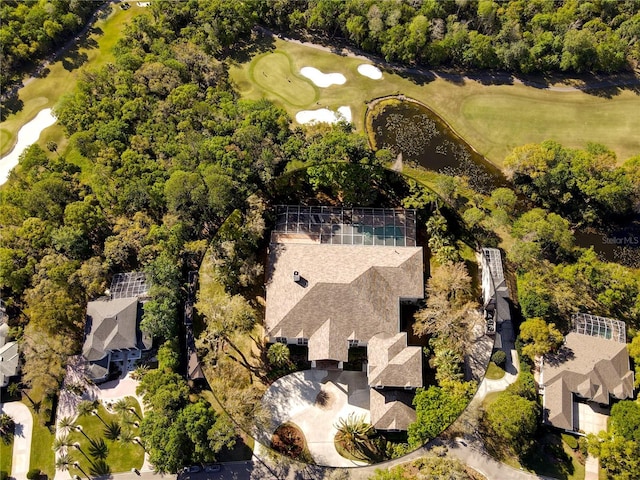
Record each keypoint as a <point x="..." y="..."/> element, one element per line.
<point x="113" y="339"/>
<point x="591" y="367"/>
<point x="336" y="279"/>
<point x="9" y="353"/>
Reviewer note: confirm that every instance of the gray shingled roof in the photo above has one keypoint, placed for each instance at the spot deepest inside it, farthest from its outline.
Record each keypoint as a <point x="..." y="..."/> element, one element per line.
<point x="111" y="325"/>
<point x="391" y="409"/>
<point x="9" y="361"/>
<point x="350" y="292"/>
<point x="392" y="363"/>
<point x="592" y="367"/>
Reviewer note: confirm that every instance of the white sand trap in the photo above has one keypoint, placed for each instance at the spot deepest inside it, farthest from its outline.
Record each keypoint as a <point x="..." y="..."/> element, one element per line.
<point x="323" y="80"/>
<point x="27" y="136"/>
<point x="324" y="115"/>
<point x="345" y="112"/>
<point x="370" y="71"/>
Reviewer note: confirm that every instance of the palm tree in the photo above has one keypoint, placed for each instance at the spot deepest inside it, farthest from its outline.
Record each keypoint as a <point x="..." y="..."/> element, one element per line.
<point x="7" y="428"/>
<point x="353" y="432"/>
<point x="98" y="449"/>
<point x="79" y="448"/>
<point x="60" y="444"/>
<point x="13" y="389"/>
<point x="65" y="424"/>
<point x="100" y="468"/>
<point x="121" y="407"/>
<point x="63" y="462"/>
<point x="85" y="407"/>
<point x="78" y="428"/>
<point x="126" y="436"/>
<point x="278" y="354"/>
<point x="112" y="430"/>
<point x="77" y="465"/>
<point x="95" y="413"/>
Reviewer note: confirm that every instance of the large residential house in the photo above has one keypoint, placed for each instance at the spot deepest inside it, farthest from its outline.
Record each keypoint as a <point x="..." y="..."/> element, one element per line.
<point x="335" y="280"/>
<point x="591" y="368"/>
<point x="113" y="339"/>
<point x="9" y="353"/>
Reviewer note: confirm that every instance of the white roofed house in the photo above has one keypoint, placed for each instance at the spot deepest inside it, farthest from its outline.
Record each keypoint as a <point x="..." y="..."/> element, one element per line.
<point x="335" y="280"/>
<point x="113" y="339"/>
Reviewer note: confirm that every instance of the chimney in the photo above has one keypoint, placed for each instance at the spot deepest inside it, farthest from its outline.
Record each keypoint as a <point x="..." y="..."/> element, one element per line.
<point x="296" y="276"/>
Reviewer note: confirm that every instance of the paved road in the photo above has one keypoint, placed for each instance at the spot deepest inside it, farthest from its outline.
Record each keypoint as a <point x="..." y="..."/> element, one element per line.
<point x="22" y="438"/>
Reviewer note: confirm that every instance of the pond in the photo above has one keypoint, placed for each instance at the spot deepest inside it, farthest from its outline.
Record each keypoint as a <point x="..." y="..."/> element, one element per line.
<point x="409" y="128"/>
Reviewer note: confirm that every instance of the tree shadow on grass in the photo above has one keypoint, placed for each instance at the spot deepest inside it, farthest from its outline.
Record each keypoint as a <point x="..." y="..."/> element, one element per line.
<point x="244" y="50"/>
<point x="11" y="105"/>
<point x="73" y="60"/>
<point x="548" y="457"/>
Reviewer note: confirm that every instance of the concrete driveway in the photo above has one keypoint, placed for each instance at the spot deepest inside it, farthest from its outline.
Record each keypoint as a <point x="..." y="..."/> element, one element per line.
<point x="315" y="400"/>
<point x="22" y="438"/>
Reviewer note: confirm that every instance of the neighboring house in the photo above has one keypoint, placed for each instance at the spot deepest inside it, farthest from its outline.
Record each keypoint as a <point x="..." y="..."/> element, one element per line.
<point x="113" y="339"/>
<point x="335" y="280"/>
<point x="495" y="291"/>
<point x="9" y="354"/>
<point x="592" y="367"/>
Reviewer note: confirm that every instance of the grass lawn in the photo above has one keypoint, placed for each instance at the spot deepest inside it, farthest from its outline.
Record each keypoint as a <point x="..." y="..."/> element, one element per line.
<point x="121" y="457"/>
<point x="42" y="455"/>
<point x="552" y="457"/>
<point x="494" y="372"/>
<point x="492" y="118"/>
<point x="490" y="398"/>
<point x="6" y="457"/>
<point x="62" y="76"/>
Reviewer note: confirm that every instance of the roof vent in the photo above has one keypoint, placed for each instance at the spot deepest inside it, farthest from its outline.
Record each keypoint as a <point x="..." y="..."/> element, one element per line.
<point x="296" y="276"/>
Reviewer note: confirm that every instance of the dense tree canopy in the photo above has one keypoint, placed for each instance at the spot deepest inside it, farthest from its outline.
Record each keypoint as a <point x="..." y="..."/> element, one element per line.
<point x="29" y="31"/>
<point x="584" y="186"/>
<point x="515" y="35"/>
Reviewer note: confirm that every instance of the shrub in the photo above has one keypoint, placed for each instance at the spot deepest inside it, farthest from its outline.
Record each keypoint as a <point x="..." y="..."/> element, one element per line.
<point x="570" y="440"/>
<point x="4" y="475"/>
<point x="33" y="474"/>
<point x="499" y="358"/>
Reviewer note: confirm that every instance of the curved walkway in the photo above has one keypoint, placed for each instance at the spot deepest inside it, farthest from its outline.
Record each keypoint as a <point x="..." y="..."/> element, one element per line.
<point x="315" y="400"/>
<point x="22" y="438"/>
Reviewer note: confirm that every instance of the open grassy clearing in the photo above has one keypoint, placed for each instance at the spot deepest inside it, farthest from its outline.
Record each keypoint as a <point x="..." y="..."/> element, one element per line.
<point x="122" y="457"/>
<point x="42" y="456"/>
<point x="6" y="457"/>
<point x="492" y="118"/>
<point x="494" y="372"/>
<point x="62" y="75"/>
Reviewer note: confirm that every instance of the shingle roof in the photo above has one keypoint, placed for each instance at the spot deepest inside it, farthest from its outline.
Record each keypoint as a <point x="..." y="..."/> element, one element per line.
<point x="391" y="409"/>
<point x="9" y="361"/>
<point x="591" y="367"/>
<point x="392" y="363"/>
<point x="111" y="325"/>
<point x="351" y="292"/>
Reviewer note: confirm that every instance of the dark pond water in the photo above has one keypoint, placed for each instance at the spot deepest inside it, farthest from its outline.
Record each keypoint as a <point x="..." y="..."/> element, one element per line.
<point x="425" y="139"/>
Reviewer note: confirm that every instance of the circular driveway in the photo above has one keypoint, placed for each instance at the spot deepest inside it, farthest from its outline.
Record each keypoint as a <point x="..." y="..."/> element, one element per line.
<point x="315" y="400"/>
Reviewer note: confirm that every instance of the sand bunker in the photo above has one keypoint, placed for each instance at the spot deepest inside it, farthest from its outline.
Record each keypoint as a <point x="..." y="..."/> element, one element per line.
<point x="323" y="80"/>
<point x="370" y="71"/>
<point x="324" y="115"/>
<point x="27" y="136"/>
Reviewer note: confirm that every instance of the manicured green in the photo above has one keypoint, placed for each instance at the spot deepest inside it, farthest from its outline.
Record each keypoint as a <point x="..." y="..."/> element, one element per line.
<point x="6" y="457"/>
<point x="492" y="118"/>
<point x="45" y="92"/>
<point x="42" y="455"/>
<point x="274" y="73"/>
<point x="121" y="458"/>
<point x="494" y="372"/>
